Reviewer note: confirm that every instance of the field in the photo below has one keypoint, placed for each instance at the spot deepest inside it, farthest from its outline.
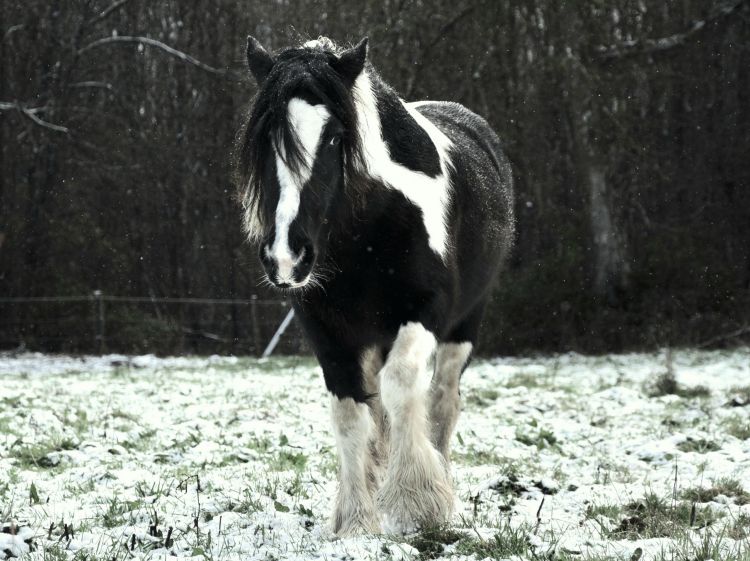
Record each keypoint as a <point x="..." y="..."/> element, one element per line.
<point x="633" y="457"/>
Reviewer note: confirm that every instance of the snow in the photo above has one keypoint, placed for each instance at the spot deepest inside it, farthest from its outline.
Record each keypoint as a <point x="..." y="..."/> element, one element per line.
<point x="236" y="455"/>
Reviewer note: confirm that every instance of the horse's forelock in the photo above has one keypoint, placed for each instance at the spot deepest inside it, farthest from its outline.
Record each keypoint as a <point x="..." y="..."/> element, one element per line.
<point x="306" y="71"/>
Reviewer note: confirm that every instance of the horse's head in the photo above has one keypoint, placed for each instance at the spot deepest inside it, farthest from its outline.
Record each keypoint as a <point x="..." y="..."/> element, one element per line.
<point x="298" y="148"/>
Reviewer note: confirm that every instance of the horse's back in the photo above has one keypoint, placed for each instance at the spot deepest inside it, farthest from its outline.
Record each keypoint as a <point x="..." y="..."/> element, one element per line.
<point x="468" y="131"/>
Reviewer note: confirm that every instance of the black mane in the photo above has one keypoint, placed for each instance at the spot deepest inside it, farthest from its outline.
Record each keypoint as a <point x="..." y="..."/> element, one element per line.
<point x="304" y="72"/>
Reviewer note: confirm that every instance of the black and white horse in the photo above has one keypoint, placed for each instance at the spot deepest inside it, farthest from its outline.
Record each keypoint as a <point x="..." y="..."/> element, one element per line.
<point x="387" y="222"/>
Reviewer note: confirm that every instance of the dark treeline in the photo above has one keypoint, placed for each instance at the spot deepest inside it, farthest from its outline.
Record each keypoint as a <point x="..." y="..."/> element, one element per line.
<point x="627" y="122"/>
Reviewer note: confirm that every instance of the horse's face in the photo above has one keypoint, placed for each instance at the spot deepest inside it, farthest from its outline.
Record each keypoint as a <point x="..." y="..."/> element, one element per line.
<point x="298" y="199"/>
<point x="301" y="137"/>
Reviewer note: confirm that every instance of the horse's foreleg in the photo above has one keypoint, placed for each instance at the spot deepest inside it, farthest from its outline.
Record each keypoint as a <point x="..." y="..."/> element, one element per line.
<point x="355" y="430"/>
<point x="417" y="491"/>
<point x="372" y="362"/>
<point x="444" y="398"/>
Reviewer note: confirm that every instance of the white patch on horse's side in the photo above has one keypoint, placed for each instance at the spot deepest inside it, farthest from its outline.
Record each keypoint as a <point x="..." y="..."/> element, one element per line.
<point x="354" y="428"/>
<point x="430" y="194"/>
<point x="417" y="491"/>
<point x="445" y="403"/>
<point x="307" y="121"/>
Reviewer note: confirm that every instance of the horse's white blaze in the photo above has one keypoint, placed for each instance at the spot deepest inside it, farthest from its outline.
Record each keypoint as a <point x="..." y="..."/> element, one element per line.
<point x="307" y="121"/>
<point x="430" y="194"/>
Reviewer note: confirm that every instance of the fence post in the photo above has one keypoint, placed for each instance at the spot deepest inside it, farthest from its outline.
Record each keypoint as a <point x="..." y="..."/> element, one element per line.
<point x="279" y="332"/>
<point x="98" y="296"/>
<point x="256" y="327"/>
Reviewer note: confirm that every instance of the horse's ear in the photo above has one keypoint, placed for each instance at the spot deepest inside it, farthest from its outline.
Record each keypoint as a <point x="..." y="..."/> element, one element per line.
<point x="258" y="60"/>
<point x="350" y="64"/>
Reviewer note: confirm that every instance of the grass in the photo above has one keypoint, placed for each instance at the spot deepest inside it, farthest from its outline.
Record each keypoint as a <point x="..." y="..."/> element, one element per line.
<point x="543" y="438"/>
<point x="271" y="365"/>
<point x="708" y="546"/>
<point x="740" y="529"/>
<point x="76" y="420"/>
<point x="13" y="402"/>
<point x="478" y="457"/>
<point x="606" y="510"/>
<point x="738" y="427"/>
<point x="699" y="445"/>
<point x="250" y="503"/>
<point x="597" y="513"/>
<point x="431" y="542"/>
<point x="37" y="455"/>
<point x="655" y="517"/>
<point x="55" y="553"/>
<point x="740" y="396"/>
<point x="143" y="442"/>
<point x="724" y="486"/>
<point x="666" y="384"/>
<point x="288" y="460"/>
<point x="114" y="515"/>
<point x="276" y="471"/>
<point x="508" y="541"/>
<point x="482" y="397"/>
<point x="328" y="463"/>
<point x="524" y="380"/>
<point x="8" y="426"/>
<point x="509" y="485"/>
<point x="119" y="414"/>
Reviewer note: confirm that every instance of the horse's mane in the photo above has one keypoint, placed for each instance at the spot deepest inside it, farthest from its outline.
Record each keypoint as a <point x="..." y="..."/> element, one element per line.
<point x="304" y="70"/>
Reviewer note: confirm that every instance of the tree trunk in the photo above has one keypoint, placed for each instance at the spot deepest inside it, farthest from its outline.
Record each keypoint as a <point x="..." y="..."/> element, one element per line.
<point x="611" y="269"/>
<point x="610" y="265"/>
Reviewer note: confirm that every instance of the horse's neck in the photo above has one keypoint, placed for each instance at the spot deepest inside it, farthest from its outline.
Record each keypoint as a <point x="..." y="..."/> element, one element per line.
<point x="368" y="88"/>
<point x="418" y="161"/>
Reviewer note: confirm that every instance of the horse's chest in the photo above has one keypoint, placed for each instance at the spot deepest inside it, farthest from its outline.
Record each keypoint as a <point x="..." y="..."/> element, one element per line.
<point x="369" y="302"/>
<point x="385" y="272"/>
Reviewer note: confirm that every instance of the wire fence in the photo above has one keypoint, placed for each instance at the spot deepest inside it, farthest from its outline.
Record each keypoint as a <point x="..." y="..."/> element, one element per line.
<point x="102" y="323"/>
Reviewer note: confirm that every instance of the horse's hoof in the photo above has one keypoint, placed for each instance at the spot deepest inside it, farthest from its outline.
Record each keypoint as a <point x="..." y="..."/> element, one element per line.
<point x="399" y="525"/>
<point x="358" y="523"/>
<point x="413" y="502"/>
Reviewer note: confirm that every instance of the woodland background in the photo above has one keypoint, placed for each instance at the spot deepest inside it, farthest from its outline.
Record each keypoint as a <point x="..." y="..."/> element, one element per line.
<point x="627" y="122"/>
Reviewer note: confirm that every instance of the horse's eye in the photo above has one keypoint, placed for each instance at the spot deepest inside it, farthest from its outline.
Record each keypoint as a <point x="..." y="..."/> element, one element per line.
<point x="335" y="139"/>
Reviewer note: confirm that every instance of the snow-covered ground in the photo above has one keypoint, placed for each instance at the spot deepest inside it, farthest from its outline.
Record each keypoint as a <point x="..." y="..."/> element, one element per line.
<point x="564" y="457"/>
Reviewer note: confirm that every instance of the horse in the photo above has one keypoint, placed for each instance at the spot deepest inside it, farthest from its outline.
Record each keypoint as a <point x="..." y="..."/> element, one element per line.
<point x="386" y="224"/>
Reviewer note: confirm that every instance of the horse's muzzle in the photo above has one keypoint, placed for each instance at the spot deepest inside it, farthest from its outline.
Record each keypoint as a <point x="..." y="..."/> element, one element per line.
<point x="285" y="268"/>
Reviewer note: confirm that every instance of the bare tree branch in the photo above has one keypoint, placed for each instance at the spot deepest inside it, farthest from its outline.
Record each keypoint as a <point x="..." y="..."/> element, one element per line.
<point x="45" y="124"/>
<point x="106" y="12"/>
<point x="646" y="46"/>
<point x="159" y="45"/>
<point x="725" y="336"/>
<point x="93" y="84"/>
<point x="444" y="30"/>
<point x="12" y="29"/>
<point x="31" y="114"/>
<point x="12" y="105"/>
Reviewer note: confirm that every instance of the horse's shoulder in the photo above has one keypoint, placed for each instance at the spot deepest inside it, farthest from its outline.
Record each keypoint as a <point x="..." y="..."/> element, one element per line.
<point x="465" y="129"/>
